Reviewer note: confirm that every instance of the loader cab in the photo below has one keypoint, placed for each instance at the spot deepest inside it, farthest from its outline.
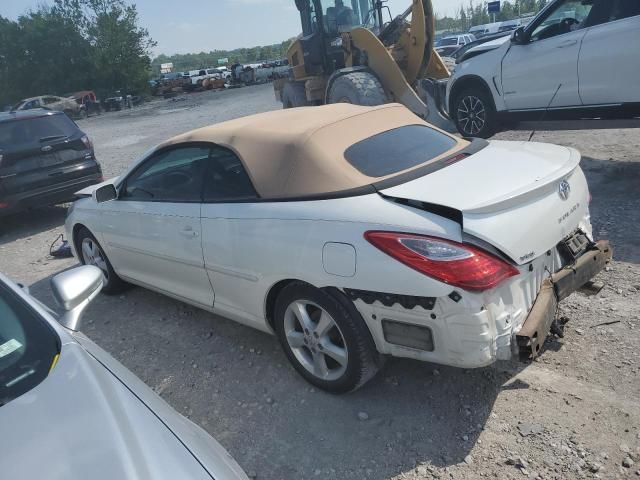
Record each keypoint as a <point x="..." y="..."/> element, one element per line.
<point x="323" y="23"/>
<point x="333" y="17"/>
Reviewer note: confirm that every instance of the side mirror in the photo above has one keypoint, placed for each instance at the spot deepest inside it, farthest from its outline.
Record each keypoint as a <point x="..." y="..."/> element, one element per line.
<point x="105" y="193"/>
<point x="74" y="290"/>
<point x="518" y="36"/>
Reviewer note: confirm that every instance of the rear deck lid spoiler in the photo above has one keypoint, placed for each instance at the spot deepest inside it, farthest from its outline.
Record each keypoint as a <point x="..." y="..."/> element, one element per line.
<point x="508" y="196"/>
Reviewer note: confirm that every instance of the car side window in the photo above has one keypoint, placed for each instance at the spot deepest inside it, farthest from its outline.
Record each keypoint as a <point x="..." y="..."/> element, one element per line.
<point x="226" y="179"/>
<point x="49" y="100"/>
<point x="173" y="175"/>
<point x="566" y="17"/>
<point x="622" y="9"/>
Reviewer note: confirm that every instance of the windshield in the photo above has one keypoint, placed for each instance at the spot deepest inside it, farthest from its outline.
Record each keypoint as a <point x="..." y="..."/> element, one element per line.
<point x="343" y="15"/>
<point x="29" y="347"/>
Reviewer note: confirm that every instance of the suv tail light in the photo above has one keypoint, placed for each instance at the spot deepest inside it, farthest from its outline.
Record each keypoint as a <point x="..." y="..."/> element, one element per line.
<point x="87" y="142"/>
<point x="450" y="262"/>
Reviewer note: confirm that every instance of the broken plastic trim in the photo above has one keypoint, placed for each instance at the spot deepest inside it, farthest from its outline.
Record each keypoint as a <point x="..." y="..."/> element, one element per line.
<point x="390" y="299"/>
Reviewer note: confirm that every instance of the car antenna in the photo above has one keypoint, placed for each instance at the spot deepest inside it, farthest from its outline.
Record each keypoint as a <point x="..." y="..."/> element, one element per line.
<point x="546" y="110"/>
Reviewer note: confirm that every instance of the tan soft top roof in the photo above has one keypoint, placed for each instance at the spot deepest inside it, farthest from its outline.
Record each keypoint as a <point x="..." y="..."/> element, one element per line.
<point x="300" y="152"/>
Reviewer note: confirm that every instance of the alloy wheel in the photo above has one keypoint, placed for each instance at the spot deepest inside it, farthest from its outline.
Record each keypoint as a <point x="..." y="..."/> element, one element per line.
<point x="92" y="255"/>
<point x="315" y="340"/>
<point x="472" y="115"/>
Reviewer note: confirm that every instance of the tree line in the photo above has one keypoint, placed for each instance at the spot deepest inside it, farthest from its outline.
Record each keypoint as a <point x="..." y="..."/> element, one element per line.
<point x="193" y="61"/>
<point x="477" y="14"/>
<point x="74" y="45"/>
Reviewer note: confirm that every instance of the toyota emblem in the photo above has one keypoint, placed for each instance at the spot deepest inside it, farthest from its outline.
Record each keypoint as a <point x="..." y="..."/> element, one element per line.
<point x="564" y="190"/>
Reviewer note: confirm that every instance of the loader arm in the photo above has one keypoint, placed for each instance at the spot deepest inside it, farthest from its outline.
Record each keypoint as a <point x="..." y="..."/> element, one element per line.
<point x="400" y="57"/>
<point x="365" y="45"/>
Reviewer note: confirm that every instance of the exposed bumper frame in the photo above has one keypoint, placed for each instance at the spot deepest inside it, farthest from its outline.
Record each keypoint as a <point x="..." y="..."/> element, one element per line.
<point x="559" y="286"/>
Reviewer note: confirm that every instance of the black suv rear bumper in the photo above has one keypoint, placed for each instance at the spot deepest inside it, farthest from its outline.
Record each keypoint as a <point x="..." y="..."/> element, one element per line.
<point x="50" y="195"/>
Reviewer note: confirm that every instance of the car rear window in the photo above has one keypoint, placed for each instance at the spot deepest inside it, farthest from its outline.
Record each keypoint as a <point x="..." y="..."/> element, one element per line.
<point x="26" y="131"/>
<point x="397" y="150"/>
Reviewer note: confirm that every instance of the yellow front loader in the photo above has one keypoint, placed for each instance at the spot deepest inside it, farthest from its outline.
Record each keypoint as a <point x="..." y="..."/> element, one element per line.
<point x="347" y="52"/>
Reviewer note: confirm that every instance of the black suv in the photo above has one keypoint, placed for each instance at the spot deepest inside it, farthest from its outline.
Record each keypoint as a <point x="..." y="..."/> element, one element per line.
<point x="44" y="159"/>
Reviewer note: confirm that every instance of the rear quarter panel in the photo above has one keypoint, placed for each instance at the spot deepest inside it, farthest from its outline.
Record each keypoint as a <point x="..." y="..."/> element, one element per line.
<point x="250" y="247"/>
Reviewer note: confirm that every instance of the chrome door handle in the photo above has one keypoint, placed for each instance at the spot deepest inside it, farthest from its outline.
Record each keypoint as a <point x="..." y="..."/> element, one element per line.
<point x="568" y="43"/>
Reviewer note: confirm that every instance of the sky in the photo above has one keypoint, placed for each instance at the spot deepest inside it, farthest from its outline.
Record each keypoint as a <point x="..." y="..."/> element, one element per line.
<point x="193" y="26"/>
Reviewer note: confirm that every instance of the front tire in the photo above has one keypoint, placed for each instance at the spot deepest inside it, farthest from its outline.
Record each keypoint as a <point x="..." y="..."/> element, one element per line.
<point x="91" y="253"/>
<point x="475" y="114"/>
<point x="325" y="338"/>
<point x="358" y="88"/>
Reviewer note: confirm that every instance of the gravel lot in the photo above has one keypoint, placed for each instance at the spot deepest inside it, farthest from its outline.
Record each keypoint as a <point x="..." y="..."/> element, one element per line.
<point x="575" y="413"/>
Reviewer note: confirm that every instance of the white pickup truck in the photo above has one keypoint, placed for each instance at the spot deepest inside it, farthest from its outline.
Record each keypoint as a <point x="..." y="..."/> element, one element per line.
<point x="199" y="76"/>
<point x="576" y="59"/>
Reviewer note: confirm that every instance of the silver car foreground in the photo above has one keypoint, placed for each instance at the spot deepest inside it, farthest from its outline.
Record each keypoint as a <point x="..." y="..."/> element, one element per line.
<point x="69" y="411"/>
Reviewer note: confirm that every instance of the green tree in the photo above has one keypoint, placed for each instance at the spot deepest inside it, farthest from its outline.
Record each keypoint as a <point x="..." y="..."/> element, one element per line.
<point x="121" y="49"/>
<point x="73" y="45"/>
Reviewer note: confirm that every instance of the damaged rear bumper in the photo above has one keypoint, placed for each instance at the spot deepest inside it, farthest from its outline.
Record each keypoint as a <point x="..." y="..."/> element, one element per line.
<point x="559" y="286"/>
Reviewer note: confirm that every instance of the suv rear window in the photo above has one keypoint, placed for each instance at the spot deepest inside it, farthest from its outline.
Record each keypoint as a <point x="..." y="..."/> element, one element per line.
<point x="399" y="149"/>
<point x="32" y="130"/>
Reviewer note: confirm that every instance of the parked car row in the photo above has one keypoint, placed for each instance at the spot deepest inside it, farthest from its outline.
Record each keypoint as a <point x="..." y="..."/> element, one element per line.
<point x="480" y="31"/>
<point x="51" y="102"/>
<point x="447" y="45"/>
<point x="79" y="104"/>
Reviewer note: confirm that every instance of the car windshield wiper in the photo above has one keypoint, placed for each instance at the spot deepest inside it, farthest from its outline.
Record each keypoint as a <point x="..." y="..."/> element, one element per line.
<point x="19" y="378"/>
<point x="53" y="137"/>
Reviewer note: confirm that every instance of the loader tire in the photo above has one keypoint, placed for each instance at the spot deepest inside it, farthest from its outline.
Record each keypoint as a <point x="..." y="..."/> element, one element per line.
<point x="358" y="88"/>
<point x="294" y="95"/>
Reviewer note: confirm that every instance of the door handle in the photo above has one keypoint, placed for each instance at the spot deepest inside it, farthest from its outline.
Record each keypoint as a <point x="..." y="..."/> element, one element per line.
<point x="189" y="232"/>
<point x="568" y="43"/>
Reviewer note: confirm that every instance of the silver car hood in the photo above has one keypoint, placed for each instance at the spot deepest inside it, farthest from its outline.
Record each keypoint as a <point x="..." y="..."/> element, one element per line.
<point x="83" y="422"/>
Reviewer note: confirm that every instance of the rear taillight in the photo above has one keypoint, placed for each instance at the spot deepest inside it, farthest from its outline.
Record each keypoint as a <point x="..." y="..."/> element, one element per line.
<point x="450" y="262"/>
<point x="87" y="142"/>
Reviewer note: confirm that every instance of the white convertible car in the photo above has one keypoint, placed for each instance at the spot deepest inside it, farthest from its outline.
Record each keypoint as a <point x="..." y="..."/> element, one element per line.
<point x="352" y="233"/>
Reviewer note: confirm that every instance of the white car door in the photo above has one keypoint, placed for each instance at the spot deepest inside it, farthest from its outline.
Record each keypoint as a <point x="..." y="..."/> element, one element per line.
<point x="609" y="62"/>
<point x="229" y="237"/>
<point x="152" y="231"/>
<point x="543" y="72"/>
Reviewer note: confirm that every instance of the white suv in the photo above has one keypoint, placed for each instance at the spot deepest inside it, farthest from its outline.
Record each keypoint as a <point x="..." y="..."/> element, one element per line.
<point x="577" y="58"/>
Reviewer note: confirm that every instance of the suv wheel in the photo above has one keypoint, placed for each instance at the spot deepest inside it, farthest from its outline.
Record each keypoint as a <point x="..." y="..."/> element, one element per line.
<point x="325" y="338"/>
<point x="474" y="113"/>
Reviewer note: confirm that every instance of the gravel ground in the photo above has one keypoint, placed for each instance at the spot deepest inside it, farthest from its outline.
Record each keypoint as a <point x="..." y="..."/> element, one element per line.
<point x="575" y="413"/>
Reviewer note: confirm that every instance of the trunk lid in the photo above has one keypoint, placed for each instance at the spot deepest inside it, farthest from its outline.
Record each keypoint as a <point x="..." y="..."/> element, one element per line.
<point x="509" y="195"/>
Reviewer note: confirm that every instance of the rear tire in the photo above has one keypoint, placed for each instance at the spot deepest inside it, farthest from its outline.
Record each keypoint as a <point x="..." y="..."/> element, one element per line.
<point x="474" y="113"/>
<point x="358" y="88"/>
<point x="91" y="253"/>
<point x="325" y="338"/>
<point x="294" y="95"/>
